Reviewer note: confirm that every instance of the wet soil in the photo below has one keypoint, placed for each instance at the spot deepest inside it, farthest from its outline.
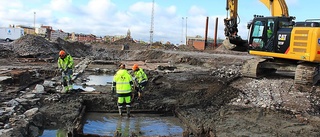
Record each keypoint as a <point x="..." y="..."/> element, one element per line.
<point x="206" y="91"/>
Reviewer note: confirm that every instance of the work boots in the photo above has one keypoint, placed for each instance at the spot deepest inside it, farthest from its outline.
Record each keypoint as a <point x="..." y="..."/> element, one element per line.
<point x="128" y="110"/>
<point x="120" y="111"/>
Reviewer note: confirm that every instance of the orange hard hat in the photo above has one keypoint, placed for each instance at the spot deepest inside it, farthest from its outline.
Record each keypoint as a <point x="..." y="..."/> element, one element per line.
<point x="135" y="67"/>
<point x="62" y="53"/>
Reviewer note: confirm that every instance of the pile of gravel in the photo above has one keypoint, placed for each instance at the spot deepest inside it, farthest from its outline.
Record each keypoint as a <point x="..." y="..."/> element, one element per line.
<point x="33" y="46"/>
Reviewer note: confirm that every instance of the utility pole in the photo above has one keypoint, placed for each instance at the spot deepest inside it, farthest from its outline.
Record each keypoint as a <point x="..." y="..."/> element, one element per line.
<point x="34" y="22"/>
<point x="186" y="30"/>
<point x="151" y="28"/>
<point x="182" y="30"/>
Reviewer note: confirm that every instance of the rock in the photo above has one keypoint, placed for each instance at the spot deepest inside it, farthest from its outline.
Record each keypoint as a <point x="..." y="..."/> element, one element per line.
<point x="7" y="126"/>
<point x="34" y="131"/>
<point x="5" y="132"/>
<point x="48" y="83"/>
<point x="12" y="102"/>
<point x="31" y="112"/>
<point x="29" y="96"/>
<point x="39" y="89"/>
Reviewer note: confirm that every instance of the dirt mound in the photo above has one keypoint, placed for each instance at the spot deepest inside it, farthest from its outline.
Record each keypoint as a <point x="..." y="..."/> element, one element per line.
<point x="124" y="41"/>
<point x="32" y="46"/>
<point x="76" y="49"/>
<point x="186" y="48"/>
<point x="6" y="51"/>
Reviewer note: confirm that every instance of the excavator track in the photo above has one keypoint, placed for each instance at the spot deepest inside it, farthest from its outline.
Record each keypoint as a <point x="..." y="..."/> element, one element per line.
<point x="306" y="76"/>
<point x="252" y="68"/>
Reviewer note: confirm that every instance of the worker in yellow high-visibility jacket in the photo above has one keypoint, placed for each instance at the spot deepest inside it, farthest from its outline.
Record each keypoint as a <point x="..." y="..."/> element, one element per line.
<point x="122" y="84"/>
<point x="66" y="65"/>
<point x="141" y="79"/>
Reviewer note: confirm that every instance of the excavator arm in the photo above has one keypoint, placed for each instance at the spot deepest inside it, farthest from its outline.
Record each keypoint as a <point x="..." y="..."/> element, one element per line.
<point x="233" y="41"/>
<point x="231" y="22"/>
<point x="276" y="7"/>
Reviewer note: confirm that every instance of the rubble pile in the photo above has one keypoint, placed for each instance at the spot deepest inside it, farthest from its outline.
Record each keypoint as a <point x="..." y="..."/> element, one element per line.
<point x="34" y="46"/>
<point x="125" y="40"/>
<point x="227" y="72"/>
<point x="6" y="51"/>
<point x="275" y="94"/>
<point x="76" y="49"/>
<point x="31" y="46"/>
<point x="186" y="48"/>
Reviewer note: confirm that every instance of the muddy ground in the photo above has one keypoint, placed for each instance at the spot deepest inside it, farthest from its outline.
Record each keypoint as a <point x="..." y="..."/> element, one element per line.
<point x="205" y="90"/>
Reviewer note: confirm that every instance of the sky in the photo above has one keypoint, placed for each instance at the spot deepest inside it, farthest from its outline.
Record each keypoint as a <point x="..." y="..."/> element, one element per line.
<point x="173" y="19"/>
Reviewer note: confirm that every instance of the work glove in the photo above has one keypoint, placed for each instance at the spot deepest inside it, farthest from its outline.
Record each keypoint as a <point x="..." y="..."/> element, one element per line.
<point x="65" y="71"/>
<point x="113" y="89"/>
<point x="69" y="68"/>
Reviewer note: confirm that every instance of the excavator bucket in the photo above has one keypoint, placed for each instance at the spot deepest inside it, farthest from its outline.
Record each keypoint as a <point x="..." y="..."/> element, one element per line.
<point x="235" y="44"/>
<point x="229" y="46"/>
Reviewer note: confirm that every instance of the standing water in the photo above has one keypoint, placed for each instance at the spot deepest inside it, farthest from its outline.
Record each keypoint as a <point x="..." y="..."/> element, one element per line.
<point x="105" y="124"/>
<point x="94" y="80"/>
<point x="99" y="80"/>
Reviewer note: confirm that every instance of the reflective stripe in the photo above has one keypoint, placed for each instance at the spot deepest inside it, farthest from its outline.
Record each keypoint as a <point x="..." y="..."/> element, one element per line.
<point x="123" y="83"/>
<point x="123" y="91"/>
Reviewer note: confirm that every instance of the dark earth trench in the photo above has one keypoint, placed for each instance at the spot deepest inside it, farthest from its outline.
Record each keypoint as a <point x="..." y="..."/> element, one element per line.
<point x="204" y="90"/>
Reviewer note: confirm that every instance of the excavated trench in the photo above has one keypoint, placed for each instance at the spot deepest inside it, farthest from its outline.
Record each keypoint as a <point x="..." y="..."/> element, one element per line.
<point x="101" y="122"/>
<point x="201" y="94"/>
<point x="176" y="103"/>
<point x="157" y="117"/>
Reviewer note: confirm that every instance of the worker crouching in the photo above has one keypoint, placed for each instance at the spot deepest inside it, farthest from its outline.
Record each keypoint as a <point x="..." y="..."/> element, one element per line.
<point x="122" y="84"/>
<point x="65" y="66"/>
<point x="141" y="79"/>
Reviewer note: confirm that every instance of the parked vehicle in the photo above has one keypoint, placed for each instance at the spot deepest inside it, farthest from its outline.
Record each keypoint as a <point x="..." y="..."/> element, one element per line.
<point x="10" y="34"/>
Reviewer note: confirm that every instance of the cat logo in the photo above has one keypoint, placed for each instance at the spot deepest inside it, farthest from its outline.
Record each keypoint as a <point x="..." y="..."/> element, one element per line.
<point x="282" y="37"/>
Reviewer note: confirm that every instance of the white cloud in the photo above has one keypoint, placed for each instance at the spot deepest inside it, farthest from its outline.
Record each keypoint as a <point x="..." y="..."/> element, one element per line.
<point x="142" y="8"/>
<point x="195" y="10"/>
<point x="61" y="5"/>
<point x="10" y="3"/>
<point x="100" y="8"/>
<point x="171" y="10"/>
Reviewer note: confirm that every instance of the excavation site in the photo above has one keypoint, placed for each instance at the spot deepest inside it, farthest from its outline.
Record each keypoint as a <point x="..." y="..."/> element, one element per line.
<point x="190" y="93"/>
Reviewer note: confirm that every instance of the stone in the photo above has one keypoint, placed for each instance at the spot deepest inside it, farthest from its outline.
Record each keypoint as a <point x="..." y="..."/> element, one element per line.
<point x="31" y="112"/>
<point x="39" y="89"/>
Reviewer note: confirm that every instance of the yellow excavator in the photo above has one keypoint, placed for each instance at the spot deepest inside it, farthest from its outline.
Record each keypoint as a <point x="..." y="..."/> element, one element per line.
<point x="282" y="44"/>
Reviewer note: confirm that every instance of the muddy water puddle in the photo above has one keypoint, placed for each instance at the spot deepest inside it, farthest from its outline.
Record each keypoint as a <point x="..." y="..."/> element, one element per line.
<point x="99" y="80"/>
<point x="94" y="80"/>
<point x="106" y="124"/>
<point x="54" y="133"/>
<point x="141" y="124"/>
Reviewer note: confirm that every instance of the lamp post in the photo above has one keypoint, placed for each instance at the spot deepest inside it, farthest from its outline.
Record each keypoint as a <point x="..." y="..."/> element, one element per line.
<point x="34" y="22"/>
<point x="186" y="30"/>
<point x="182" y="30"/>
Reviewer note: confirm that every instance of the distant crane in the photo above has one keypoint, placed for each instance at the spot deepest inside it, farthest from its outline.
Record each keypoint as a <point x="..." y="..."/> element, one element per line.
<point x="151" y="28"/>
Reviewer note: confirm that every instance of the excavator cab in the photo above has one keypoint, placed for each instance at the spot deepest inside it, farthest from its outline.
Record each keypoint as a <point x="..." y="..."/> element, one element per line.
<point x="263" y="29"/>
<point x="267" y="33"/>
